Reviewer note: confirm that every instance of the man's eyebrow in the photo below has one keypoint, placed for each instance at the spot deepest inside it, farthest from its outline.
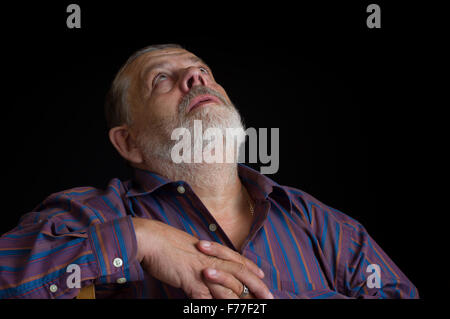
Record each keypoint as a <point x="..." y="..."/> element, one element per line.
<point x="147" y="69"/>
<point x="193" y="59"/>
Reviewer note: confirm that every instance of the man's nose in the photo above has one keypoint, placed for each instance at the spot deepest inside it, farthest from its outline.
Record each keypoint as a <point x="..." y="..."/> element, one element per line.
<point x="193" y="76"/>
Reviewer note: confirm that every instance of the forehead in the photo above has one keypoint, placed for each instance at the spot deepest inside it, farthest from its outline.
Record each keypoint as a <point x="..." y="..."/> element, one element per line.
<point x="166" y="54"/>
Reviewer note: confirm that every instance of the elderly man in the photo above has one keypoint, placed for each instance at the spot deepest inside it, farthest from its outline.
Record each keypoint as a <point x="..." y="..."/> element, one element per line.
<point x="180" y="229"/>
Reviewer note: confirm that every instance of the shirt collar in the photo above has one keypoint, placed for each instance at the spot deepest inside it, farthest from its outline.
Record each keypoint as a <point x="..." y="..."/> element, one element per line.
<point x="145" y="182"/>
<point x="258" y="185"/>
<point x="261" y="187"/>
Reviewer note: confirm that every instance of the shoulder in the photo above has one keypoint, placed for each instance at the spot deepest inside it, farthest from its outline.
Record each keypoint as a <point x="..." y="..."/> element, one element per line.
<point x="115" y="191"/>
<point x="316" y="212"/>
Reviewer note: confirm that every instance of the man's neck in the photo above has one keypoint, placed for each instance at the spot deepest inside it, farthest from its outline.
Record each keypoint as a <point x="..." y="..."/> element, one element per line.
<point x="223" y="198"/>
<point x="217" y="185"/>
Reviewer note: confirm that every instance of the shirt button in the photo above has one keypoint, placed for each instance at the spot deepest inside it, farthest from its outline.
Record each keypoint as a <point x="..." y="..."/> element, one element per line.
<point x="212" y="227"/>
<point x="121" y="280"/>
<point x="181" y="189"/>
<point x="117" y="262"/>
<point x="53" y="288"/>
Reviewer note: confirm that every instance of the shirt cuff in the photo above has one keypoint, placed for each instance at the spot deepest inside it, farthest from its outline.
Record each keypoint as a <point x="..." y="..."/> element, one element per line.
<point x="115" y="246"/>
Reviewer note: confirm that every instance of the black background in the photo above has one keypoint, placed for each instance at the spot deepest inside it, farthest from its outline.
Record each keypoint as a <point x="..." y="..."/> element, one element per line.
<point x="342" y="95"/>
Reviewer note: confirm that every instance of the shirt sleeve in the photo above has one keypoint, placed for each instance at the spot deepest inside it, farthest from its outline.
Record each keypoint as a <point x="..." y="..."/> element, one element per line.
<point x="363" y="270"/>
<point x="369" y="272"/>
<point x="73" y="239"/>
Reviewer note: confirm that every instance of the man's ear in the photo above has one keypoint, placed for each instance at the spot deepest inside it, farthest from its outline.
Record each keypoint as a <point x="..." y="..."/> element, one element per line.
<point x="125" y="144"/>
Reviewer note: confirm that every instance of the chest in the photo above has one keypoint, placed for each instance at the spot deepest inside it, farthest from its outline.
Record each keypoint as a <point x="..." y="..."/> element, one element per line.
<point x="237" y="230"/>
<point x="282" y="245"/>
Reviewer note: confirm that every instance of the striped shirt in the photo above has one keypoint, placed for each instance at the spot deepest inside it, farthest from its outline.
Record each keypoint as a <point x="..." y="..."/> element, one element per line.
<point x="305" y="248"/>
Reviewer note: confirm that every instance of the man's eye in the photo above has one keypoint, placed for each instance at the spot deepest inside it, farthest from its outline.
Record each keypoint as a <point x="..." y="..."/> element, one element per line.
<point x="159" y="77"/>
<point x="203" y="70"/>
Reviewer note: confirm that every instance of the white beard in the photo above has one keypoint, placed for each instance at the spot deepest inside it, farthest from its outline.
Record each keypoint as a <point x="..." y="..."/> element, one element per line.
<point x="156" y="145"/>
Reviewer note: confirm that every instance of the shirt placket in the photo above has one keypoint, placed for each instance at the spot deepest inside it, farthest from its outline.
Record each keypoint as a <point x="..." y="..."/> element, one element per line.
<point x="205" y="219"/>
<point x="262" y="208"/>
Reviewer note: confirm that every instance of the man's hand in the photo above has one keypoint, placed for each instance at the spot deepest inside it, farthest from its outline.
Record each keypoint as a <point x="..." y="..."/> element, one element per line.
<point x="170" y="255"/>
<point x="223" y="285"/>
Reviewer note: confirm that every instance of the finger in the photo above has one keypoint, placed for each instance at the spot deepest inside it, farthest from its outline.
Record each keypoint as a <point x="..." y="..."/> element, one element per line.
<point x="221" y="292"/>
<point x="232" y="286"/>
<point x="224" y="279"/>
<point x="222" y="252"/>
<point x="242" y="273"/>
<point x="200" y="291"/>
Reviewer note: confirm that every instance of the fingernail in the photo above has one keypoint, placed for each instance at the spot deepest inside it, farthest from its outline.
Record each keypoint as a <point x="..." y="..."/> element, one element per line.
<point x="205" y="243"/>
<point x="212" y="272"/>
<point x="261" y="273"/>
<point x="270" y="295"/>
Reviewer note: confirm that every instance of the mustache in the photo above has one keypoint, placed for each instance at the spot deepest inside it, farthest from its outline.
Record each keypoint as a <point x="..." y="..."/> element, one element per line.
<point x="198" y="90"/>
